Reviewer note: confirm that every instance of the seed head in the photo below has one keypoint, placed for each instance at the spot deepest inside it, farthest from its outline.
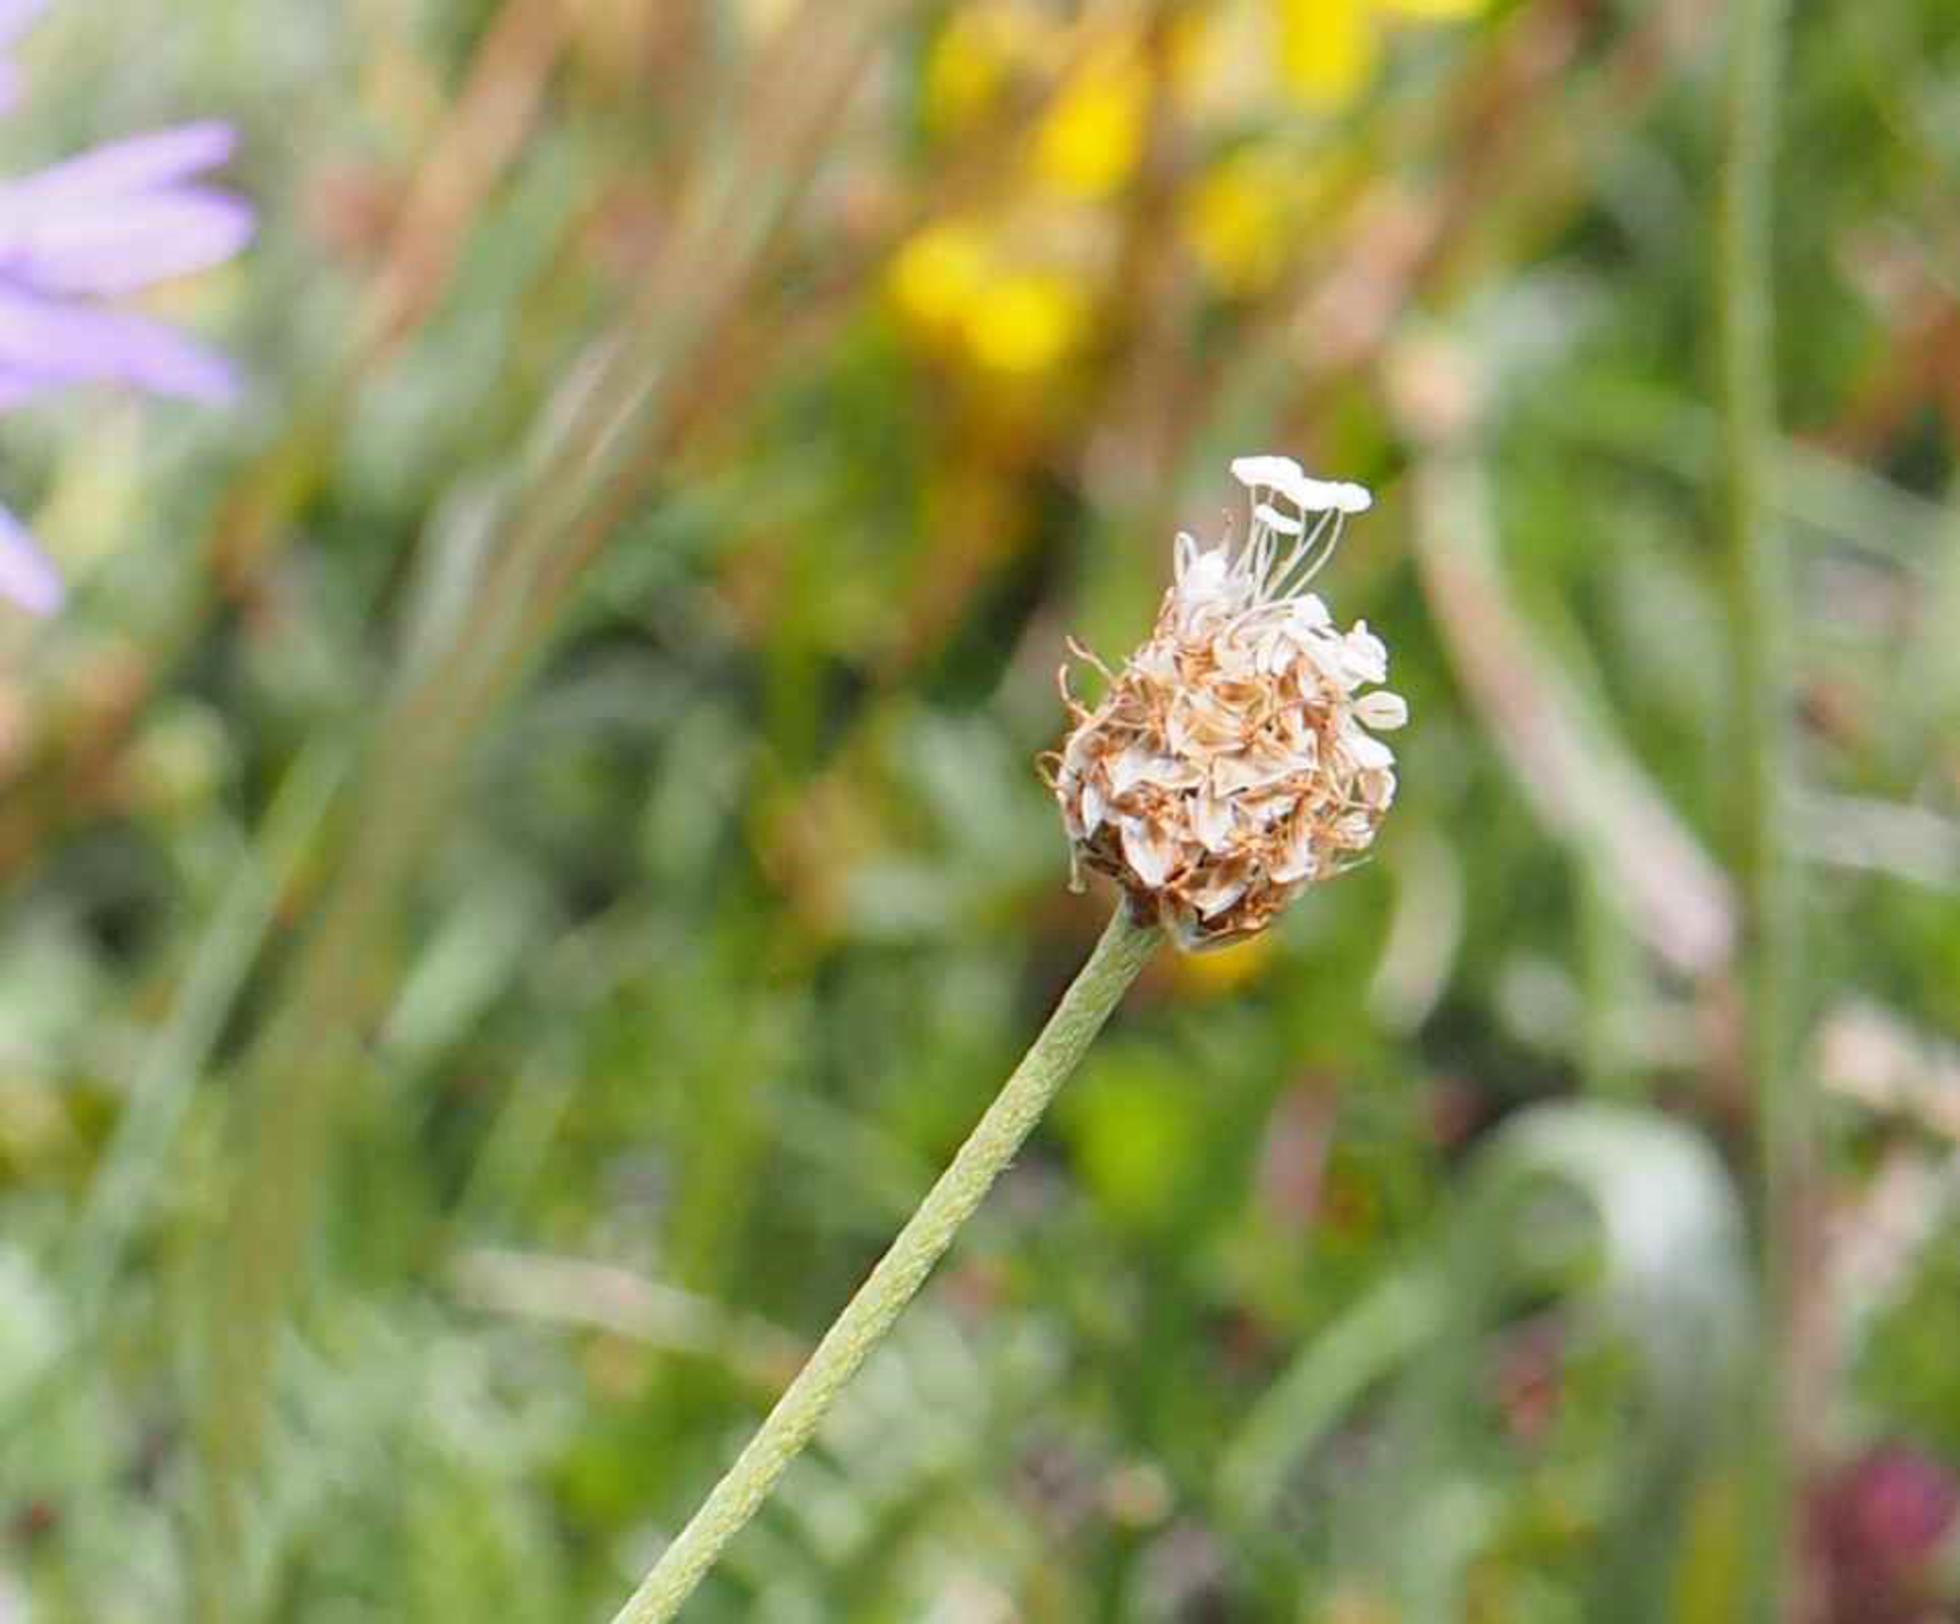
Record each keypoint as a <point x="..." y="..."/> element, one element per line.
<point x="1230" y="764"/>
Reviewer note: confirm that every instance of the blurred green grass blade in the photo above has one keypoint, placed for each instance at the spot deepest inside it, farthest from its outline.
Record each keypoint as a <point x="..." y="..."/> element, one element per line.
<point x="1570" y="761"/>
<point x="138" y="1157"/>
<point x="1322" y="1384"/>
<point x="1817" y="491"/>
<point x="576" y="1292"/>
<point x="468" y="964"/>
<point x="1672" y="1271"/>
<point x="596" y="445"/>
<point x="1669" y="1278"/>
<point x="1762" y="609"/>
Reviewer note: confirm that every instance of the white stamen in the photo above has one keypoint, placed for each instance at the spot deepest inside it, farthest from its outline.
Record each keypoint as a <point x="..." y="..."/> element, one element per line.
<point x="1367" y="751"/>
<point x="1273" y="519"/>
<point x="1382" y="709"/>
<point x="1257" y="473"/>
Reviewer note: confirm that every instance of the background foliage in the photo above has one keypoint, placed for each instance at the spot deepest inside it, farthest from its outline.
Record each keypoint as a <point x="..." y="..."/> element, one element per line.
<point x="619" y="628"/>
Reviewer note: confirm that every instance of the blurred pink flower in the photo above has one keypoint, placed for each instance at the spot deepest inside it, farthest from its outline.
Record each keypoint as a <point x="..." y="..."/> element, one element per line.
<point x="110" y="222"/>
<point x="1877" y="1525"/>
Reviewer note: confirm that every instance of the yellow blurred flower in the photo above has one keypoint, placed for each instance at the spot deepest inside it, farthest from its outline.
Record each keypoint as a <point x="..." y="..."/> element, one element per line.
<point x="938" y="274"/>
<point x="1092" y="140"/>
<point x="1330" y="50"/>
<point x="971" y="60"/>
<point x="1241" y="216"/>
<point x="1026" y="323"/>
<point x="952" y="284"/>
<point x="1225" y="969"/>
<point x="1433" y="11"/>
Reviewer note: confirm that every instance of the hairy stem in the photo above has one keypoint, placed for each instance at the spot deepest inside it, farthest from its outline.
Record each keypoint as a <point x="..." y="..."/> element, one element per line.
<point x="1124" y="949"/>
<point x="1762" y="612"/>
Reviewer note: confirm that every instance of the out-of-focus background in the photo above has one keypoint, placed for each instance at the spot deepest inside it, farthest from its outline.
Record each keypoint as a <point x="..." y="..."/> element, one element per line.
<point x="522" y="855"/>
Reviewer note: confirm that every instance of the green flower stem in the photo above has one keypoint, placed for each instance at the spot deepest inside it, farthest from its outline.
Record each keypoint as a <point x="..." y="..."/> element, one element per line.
<point x="1786" y="1127"/>
<point x="1123" y="951"/>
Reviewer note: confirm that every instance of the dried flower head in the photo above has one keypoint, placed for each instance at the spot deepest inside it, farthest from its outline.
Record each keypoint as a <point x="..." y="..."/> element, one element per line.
<point x="1229" y="766"/>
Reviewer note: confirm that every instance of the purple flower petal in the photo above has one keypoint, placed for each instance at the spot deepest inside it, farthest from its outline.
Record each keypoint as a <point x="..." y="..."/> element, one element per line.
<point x="140" y="163"/>
<point x="110" y="221"/>
<point x="17" y="388"/>
<point x="67" y="343"/>
<point x="15" y="16"/>
<point x="100" y="247"/>
<point x="26" y="573"/>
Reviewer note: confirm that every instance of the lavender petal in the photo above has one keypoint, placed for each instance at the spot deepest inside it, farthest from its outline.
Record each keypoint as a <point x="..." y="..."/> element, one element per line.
<point x="18" y="387"/>
<point x="67" y="343"/>
<point x="27" y="575"/>
<point x="140" y="163"/>
<point x="121" y="246"/>
<point x="16" y="16"/>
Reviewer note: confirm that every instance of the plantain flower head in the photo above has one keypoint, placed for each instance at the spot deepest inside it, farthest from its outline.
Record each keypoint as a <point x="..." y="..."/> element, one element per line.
<point x="1233" y="761"/>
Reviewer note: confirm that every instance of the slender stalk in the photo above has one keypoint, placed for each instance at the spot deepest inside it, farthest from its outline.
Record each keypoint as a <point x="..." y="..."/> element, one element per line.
<point x="1762" y="612"/>
<point x="1124" y="949"/>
